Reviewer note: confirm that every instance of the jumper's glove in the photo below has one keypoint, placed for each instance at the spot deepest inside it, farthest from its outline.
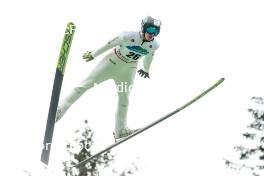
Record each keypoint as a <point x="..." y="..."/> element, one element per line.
<point x="88" y="56"/>
<point x="142" y="73"/>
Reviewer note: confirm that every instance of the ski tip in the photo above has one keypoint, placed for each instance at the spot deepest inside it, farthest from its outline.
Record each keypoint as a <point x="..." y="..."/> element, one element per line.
<point x="70" y="23"/>
<point x="220" y="80"/>
<point x="71" y="27"/>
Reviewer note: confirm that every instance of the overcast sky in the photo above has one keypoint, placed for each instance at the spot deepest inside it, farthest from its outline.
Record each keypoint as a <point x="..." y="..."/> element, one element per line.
<point x="200" y="42"/>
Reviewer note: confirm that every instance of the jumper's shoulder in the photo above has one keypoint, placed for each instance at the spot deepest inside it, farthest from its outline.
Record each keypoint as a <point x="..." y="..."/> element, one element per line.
<point x="128" y="35"/>
<point x="155" y="44"/>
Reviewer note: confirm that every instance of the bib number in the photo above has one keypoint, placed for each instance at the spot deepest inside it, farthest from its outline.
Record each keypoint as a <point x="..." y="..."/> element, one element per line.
<point x="133" y="56"/>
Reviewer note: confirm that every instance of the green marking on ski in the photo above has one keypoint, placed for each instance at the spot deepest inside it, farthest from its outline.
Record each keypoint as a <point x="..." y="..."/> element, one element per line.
<point x="65" y="48"/>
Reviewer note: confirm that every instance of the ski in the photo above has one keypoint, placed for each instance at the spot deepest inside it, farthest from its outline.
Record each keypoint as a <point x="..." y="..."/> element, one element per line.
<point x="60" y="69"/>
<point x="152" y="124"/>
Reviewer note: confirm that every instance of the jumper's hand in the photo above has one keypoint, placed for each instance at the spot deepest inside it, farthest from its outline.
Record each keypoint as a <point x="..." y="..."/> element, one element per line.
<point x="142" y="73"/>
<point x="88" y="56"/>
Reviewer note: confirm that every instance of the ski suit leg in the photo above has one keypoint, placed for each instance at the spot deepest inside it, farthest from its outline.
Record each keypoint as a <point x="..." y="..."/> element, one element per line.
<point x="101" y="72"/>
<point x="124" y="82"/>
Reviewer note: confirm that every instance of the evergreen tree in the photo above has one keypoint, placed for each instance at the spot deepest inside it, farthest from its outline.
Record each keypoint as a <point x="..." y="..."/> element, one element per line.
<point x="79" y="150"/>
<point x="252" y="156"/>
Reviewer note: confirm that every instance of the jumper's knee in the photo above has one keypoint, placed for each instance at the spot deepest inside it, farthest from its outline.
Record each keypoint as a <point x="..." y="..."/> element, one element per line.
<point x="85" y="85"/>
<point x="79" y="90"/>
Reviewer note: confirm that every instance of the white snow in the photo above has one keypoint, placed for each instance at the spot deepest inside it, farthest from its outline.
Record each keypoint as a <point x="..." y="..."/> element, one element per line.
<point x="38" y="169"/>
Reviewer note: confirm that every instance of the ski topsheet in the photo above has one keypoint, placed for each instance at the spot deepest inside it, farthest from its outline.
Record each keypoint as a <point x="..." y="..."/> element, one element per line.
<point x="61" y="65"/>
<point x="152" y="124"/>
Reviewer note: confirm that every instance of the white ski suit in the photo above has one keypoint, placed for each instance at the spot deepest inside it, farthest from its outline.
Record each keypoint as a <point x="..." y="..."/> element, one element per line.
<point x="119" y="65"/>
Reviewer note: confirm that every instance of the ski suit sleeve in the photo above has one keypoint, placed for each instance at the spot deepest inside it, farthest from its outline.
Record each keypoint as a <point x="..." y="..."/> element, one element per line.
<point x="147" y="62"/>
<point x="114" y="42"/>
<point x="149" y="58"/>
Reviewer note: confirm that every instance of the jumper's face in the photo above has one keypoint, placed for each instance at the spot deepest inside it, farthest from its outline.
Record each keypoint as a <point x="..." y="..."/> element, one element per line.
<point x="149" y="36"/>
<point x="151" y="32"/>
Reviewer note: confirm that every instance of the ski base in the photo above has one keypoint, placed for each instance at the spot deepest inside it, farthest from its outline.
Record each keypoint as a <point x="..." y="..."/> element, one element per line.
<point x="152" y="124"/>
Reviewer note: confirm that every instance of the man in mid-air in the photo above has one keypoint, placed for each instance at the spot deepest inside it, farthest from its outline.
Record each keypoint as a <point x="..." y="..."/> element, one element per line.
<point x="120" y="65"/>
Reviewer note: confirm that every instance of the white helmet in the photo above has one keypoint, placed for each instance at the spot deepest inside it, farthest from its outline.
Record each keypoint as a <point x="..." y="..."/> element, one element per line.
<point x="150" y="25"/>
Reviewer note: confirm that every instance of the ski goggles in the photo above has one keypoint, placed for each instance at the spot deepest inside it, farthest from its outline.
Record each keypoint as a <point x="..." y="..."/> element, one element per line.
<point x="152" y="30"/>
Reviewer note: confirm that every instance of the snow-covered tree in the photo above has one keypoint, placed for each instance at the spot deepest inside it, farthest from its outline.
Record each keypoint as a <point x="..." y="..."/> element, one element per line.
<point x="251" y="154"/>
<point x="80" y="149"/>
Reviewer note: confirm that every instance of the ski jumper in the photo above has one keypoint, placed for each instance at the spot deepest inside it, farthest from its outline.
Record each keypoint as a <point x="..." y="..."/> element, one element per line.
<point x="120" y="65"/>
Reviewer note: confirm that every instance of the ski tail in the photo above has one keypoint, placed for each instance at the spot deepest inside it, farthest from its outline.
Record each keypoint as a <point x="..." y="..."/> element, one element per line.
<point x="60" y="69"/>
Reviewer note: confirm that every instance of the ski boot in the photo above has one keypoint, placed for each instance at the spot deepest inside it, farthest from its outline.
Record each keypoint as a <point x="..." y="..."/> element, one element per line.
<point x="60" y="112"/>
<point x="124" y="133"/>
